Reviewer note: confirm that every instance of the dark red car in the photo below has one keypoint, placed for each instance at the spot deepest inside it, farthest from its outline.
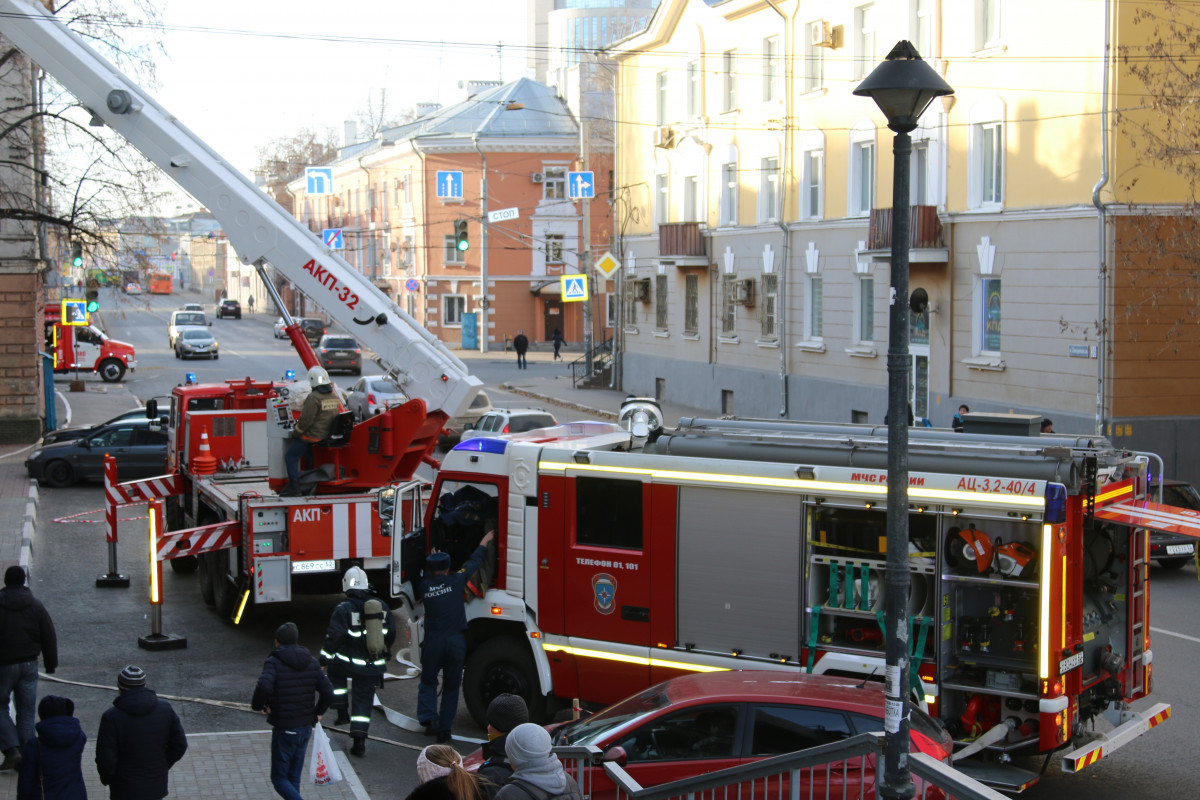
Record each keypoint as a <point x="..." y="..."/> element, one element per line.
<point x="701" y="723"/>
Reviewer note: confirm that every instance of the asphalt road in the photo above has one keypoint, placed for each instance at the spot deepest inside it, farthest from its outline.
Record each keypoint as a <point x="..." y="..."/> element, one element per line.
<point x="99" y="627"/>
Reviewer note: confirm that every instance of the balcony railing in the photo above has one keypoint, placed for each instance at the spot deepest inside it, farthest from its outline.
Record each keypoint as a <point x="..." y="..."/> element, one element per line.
<point x="924" y="229"/>
<point x="680" y="239"/>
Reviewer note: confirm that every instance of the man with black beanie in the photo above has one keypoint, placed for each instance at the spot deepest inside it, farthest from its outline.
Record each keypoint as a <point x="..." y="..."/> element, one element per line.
<point x="140" y="739"/>
<point x="293" y="691"/>
<point x="25" y="632"/>
<point x="505" y="712"/>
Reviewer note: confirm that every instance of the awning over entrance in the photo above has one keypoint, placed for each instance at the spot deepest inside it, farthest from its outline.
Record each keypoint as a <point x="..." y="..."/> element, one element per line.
<point x="547" y="289"/>
<point x="1156" y="517"/>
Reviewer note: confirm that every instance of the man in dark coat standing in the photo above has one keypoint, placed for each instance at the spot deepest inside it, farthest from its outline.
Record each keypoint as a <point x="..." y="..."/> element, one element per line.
<point x="521" y="344"/>
<point x="444" y="649"/>
<point x="25" y="631"/>
<point x="505" y="712"/>
<point x="293" y="691"/>
<point x="140" y="739"/>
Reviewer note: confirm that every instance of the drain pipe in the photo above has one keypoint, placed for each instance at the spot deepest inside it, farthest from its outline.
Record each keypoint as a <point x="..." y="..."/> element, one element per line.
<point x="1102" y="234"/>
<point x="782" y="283"/>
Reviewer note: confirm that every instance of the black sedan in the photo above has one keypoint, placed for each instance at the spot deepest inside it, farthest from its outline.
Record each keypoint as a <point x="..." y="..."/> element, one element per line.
<point x="1173" y="550"/>
<point x="140" y="453"/>
<point x="67" y="434"/>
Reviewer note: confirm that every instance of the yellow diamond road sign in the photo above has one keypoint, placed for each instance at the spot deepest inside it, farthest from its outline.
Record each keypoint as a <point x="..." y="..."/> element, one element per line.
<point x="607" y="264"/>
<point x="573" y="287"/>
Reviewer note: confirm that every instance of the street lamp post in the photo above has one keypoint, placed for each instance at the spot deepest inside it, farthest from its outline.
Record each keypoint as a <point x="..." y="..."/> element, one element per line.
<point x="902" y="86"/>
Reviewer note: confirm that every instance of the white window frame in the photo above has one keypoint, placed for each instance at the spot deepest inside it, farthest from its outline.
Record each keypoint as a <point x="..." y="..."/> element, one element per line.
<point x="768" y="189"/>
<point x="921" y="27"/>
<point x="864" y="301"/>
<point x="729" y="87"/>
<point x="662" y="198"/>
<point x="921" y="190"/>
<point x="450" y="252"/>
<point x="662" y="303"/>
<point x="661" y="95"/>
<point x="865" y="57"/>
<point x="610" y="309"/>
<point x="983" y="283"/>
<point x="691" y="304"/>
<point x="769" y="307"/>
<point x="453" y="308"/>
<point x="988" y="25"/>
<point x="555" y="248"/>
<point x="772" y="87"/>
<point x="554" y="182"/>
<point x="985" y="187"/>
<point x="730" y="186"/>
<point x="814" y="308"/>
<point x="814" y="59"/>
<point x="812" y="175"/>
<point x="862" y="137"/>
<point x="728" y="308"/>
<point x="691" y="199"/>
<point x="695" y="85"/>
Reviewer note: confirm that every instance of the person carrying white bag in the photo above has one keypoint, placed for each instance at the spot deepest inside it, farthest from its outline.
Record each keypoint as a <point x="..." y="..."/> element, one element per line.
<point x="293" y="691"/>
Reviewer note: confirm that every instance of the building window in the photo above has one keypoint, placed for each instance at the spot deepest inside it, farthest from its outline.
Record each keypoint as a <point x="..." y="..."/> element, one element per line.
<point x="814" y="323"/>
<point x="988" y="141"/>
<point x="862" y="173"/>
<point x="453" y="306"/>
<point x="772" y="69"/>
<point x="554" y="248"/>
<point x="450" y="253"/>
<point x="919" y="194"/>
<point x="661" y="209"/>
<point x="812" y="201"/>
<point x="554" y="183"/>
<point x="410" y="304"/>
<point x="729" y="194"/>
<point x="864" y="41"/>
<point x="989" y="320"/>
<point x="728" y="309"/>
<point x="922" y="27"/>
<point x="660" y="302"/>
<point x="814" y="57"/>
<point x="691" y="199"/>
<point x="729" y="80"/>
<point x="987" y="24"/>
<point x="864" y="316"/>
<point x="770" y="306"/>
<point x="660" y="103"/>
<point x="768" y="192"/>
<point x="694" y="87"/>
<point x="407" y="252"/>
<point x="406" y="188"/>
<point x="691" y="304"/>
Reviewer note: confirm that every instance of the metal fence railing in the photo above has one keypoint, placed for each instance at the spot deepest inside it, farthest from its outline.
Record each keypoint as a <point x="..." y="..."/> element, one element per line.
<point x="845" y="770"/>
<point x="601" y="357"/>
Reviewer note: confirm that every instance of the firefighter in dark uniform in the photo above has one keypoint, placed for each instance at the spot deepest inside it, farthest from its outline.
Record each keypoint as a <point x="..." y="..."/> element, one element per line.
<point x="445" y="646"/>
<point x="347" y="654"/>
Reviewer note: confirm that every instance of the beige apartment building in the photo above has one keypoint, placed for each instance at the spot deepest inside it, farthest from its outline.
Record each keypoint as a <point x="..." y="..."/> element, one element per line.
<point x="757" y="191"/>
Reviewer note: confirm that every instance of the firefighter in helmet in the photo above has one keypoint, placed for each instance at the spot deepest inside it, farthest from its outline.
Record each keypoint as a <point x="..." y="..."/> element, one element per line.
<point x="356" y="649"/>
<point x="315" y="424"/>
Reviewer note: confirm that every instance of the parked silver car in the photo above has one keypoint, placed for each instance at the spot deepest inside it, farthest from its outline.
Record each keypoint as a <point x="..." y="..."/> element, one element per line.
<point x="369" y="396"/>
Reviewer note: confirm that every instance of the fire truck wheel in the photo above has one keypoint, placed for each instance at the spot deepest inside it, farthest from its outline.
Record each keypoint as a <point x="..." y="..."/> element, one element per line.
<point x="498" y="666"/>
<point x="1174" y="563"/>
<point x="223" y="593"/>
<point x="206" y="580"/>
<point x="58" y="474"/>
<point x="111" y="370"/>
<point x="184" y="565"/>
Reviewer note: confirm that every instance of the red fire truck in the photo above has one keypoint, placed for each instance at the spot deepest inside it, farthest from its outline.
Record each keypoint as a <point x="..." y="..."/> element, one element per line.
<point x="728" y="544"/>
<point x="78" y="345"/>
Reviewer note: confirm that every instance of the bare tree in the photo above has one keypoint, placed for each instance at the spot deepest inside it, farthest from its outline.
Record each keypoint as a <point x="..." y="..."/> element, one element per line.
<point x="282" y="160"/>
<point x="1156" y="277"/>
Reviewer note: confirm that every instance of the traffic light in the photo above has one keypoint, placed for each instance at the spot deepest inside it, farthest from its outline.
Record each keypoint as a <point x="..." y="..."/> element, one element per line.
<point x="76" y="254"/>
<point x="93" y="300"/>
<point x="460" y="236"/>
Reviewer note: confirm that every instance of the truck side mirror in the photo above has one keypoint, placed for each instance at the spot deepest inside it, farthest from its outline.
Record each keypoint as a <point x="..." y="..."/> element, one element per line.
<point x="151" y="408"/>
<point x="616" y="755"/>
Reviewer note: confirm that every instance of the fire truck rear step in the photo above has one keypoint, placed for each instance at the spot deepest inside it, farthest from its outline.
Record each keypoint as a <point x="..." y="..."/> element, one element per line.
<point x="1003" y="777"/>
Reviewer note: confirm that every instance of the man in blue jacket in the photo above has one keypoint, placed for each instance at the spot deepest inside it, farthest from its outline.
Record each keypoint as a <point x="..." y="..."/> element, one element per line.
<point x="140" y="739"/>
<point x="293" y="691"/>
<point x="445" y="647"/>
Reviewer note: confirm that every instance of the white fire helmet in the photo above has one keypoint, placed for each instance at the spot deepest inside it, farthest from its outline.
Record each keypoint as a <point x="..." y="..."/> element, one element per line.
<point x="317" y="376"/>
<point x="354" y="578"/>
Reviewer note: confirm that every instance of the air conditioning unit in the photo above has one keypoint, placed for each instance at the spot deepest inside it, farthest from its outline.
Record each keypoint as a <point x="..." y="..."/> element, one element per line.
<point x="664" y="136"/>
<point x="822" y="34"/>
<point x="538" y="177"/>
<point x="743" y="292"/>
<point x="641" y="290"/>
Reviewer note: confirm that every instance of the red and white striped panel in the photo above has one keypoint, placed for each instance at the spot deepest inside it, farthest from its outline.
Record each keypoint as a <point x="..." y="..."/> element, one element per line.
<point x="1156" y="517"/>
<point x="354" y="530"/>
<point x="204" y="539"/>
<point x="140" y="491"/>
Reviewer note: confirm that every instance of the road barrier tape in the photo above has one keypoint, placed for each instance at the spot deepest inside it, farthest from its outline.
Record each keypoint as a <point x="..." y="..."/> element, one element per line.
<point x="73" y="518"/>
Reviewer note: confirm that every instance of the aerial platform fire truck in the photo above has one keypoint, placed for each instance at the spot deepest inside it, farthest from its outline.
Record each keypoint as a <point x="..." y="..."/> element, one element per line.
<point x="226" y="441"/>
<point x="625" y="560"/>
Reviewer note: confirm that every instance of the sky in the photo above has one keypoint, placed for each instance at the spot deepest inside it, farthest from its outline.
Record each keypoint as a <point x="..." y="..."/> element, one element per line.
<point x="241" y="73"/>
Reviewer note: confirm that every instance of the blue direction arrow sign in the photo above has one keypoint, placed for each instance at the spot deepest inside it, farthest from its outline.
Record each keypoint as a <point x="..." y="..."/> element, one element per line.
<point x="573" y="287"/>
<point x="581" y="185"/>
<point x="450" y="184"/>
<point x="318" y="180"/>
<point x="333" y="238"/>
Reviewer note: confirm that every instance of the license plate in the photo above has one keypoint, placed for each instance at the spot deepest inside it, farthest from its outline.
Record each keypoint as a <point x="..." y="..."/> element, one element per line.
<point x="1068" y="664"/>
<point x="322" y="565"/>
<point x="1180" y="549"/>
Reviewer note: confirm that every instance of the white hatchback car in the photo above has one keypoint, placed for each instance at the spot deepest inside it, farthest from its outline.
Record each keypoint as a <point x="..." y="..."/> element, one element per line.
<point x="510" y="420"/>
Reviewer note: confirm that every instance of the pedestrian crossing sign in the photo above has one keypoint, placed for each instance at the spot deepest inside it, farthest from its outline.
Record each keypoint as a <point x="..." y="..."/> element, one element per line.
<point x="574" y="288"/>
